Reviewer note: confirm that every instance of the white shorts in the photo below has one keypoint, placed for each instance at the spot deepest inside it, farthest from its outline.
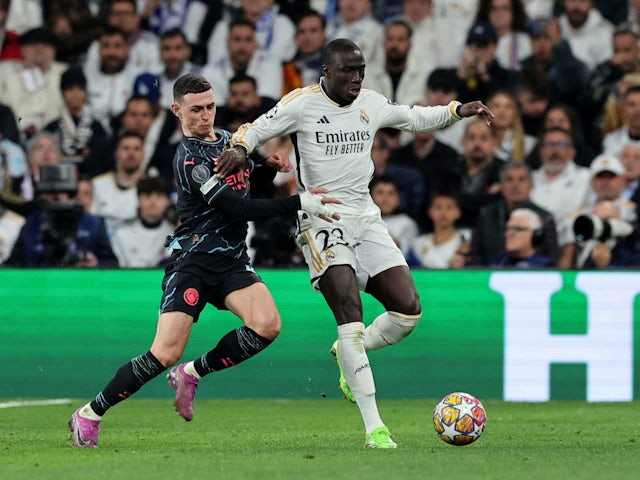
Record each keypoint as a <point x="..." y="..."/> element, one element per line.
<point x="363" y="243"/>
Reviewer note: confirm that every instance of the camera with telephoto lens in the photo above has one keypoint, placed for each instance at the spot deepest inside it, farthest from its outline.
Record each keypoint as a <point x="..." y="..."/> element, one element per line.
<point x="61" y="217"/>
<point x="587" y="227"/>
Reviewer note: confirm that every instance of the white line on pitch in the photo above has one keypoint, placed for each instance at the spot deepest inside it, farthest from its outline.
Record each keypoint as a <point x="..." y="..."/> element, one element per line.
<point x="35" y="403"/>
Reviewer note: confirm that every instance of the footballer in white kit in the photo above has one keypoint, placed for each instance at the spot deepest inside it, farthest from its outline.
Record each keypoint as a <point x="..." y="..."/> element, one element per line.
<point x="332" y="125"/>
<point x="333" y="150"/>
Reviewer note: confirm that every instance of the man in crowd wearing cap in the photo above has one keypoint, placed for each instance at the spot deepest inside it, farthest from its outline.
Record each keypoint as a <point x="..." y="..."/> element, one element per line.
<point x="31" y="86"/>
<point x="607" y="185"/>
<point x="479" y="71"/>
<point x="79" y="134"/>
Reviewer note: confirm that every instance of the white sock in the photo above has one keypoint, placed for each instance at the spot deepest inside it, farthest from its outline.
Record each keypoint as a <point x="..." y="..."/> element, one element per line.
<point x="388" y="329"/>
<point x="357" y="371"/>
<point x="87" y="412"/>
<point x="191" y="370"/>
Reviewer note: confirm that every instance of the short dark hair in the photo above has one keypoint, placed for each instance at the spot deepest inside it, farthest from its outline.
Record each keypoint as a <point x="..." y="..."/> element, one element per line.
<point x="109" y="31"/>
<point x="630" y="90"/>
<point x="559" y="130"/>
<point x="149" y="185"/>
<point x="190" y="83"/>
<point x="243" y="77"/>
<point x="241" y="22"/>
<point x="130" y="134"/>
<point x="311" y="13"/>
<point x="384" y="179"/>
<point x="514" y="165"/>
<point x="337" y="47"/>
<point x="399" y="23"/>
<point x="173" y="32"/>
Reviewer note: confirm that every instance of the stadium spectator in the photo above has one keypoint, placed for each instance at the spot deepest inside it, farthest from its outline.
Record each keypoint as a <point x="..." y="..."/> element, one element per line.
<point x="245" y="57"/>
<point x="243" y="103"/>
<point x="564" y="117"/>
<point x="23" y="16"/>
<point x="386" y="195"/>
<point x="589" y="34"/>
<point x="123" y="15"/>
<point x="614" y="142"/>
<point x="532" y="94"/>
<point x="9" y="39"/>
<point x="508" y="18"/>
<point x="607" y="184"/>
<point x="59" y="233"/>
<point x="408" y="178"/>
<point x="511" y="140"/>
<point x="114" y="192"/>
<point x="203" y="268"/>
<point x="31" y="86"/>
<point x="615" y="250"/>
<point x="110" y="80"/>
<point x="446" y="246"/>
<point x="139" y="242"/>
<point x="175" y="52"/>
<point x="160" y="16"/>
<point x="8" y="124"/>
<point x="487" y="241"/>
<point x="400" y="78"/>
<point x="520" y="242"/>
<point x="79" y="135"/>
<point x="356" y="22"/>
<point x="429" y="40"/>
<point x="435" y="161"/>
<point x="559" y="185"/>
<point x="443" y="86"/>
<point x="479" y="71"/>
<point x="630" y="159"/>
<point x="274" y="32"/>
<point x="306" y="66"/>
<point x="604" y="89"/>
<point x="477" y="183"/>
<point x="14" y="173"/>
<point x="74" y="25"/>
<point x="552" y="57"/>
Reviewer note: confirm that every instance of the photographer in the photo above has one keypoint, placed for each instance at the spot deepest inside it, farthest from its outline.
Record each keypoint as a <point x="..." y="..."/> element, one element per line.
<point x="607" y="183"/>
<point x="59" y="233"/>
<point x="607" y="240"/>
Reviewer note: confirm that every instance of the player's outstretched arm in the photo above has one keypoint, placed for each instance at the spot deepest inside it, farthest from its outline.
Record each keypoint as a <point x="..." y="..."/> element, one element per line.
<point x="471" y="109"/>
<point x="232" y="159"/>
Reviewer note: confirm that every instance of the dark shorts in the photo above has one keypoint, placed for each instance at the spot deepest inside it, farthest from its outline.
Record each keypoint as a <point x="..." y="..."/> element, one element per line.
<point x="192" y="280"/>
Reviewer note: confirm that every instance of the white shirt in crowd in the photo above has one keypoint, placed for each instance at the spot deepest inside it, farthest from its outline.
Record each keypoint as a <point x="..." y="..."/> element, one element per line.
<point x="403" y="230"/>
<point x="112" y="202"/>
<point x="565" y="193"/>
<point x="138" y="245"/>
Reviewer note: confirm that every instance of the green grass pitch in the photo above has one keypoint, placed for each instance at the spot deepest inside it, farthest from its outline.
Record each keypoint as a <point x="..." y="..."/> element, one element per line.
<point x="321" y="439"/>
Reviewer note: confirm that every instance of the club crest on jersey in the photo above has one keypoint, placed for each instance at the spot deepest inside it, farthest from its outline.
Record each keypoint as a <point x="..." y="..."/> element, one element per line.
<point x="200" y="174"/>
<point x="364" y="118"/>
<point x="271" y="113"/>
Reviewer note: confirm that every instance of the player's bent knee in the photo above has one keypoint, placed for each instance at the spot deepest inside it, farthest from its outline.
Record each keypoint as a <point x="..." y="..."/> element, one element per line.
<point x="266" y="325"/>
<point x="402" y="326"/>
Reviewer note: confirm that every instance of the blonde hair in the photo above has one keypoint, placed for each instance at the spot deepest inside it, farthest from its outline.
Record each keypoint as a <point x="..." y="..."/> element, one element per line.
<point x="518" y="152"/>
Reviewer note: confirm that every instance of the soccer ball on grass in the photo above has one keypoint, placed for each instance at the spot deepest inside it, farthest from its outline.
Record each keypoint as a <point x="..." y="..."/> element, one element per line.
<point x="459" y="418"/>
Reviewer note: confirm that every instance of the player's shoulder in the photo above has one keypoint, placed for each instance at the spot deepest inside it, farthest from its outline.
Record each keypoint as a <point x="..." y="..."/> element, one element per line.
<point x="301" y="95"/>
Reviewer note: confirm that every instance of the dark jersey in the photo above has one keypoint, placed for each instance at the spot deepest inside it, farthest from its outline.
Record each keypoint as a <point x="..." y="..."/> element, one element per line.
<point x="213" y="212"/>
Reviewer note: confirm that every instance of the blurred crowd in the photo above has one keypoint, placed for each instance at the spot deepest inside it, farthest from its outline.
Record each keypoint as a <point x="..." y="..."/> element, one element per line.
<point x="87" y="135"/>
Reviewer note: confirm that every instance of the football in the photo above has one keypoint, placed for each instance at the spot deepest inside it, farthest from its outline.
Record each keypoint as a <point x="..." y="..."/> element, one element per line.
<point x="459" y="418"/>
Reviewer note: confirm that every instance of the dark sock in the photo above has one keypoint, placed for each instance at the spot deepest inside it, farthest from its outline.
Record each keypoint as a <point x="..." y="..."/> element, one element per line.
<point x="127" y="381"/>
<point x="235" y="347"/>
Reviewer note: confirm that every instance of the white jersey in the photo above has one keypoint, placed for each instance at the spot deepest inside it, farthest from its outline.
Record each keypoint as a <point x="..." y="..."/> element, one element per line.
<point x="140" y="246"/>
<point x="112" y="202"/>
<point x="333" y="143"/>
